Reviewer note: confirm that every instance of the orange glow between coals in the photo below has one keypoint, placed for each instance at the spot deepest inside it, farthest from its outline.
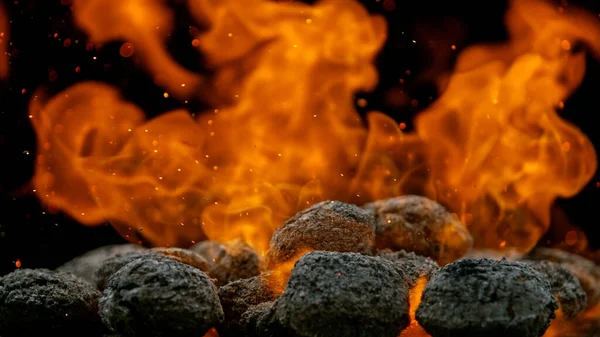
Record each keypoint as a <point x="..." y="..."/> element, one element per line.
<point x="414" y="329"/>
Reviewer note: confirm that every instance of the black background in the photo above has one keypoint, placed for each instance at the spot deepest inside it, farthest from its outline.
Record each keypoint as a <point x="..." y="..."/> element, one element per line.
<point x="42" y="59"/>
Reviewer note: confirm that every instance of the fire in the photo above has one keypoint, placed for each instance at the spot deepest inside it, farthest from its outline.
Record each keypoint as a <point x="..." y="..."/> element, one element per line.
<point x="414" y="329"/>
<point x="501" y="152"/>
<point x="284" y="132"/>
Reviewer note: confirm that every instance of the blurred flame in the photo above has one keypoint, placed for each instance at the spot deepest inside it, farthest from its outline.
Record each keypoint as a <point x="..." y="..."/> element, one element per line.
<point x="286" y="133"/>
<point x="497" y="148"/>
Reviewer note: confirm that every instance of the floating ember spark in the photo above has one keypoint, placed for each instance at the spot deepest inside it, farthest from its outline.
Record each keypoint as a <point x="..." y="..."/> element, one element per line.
<point x="285" y="133"/>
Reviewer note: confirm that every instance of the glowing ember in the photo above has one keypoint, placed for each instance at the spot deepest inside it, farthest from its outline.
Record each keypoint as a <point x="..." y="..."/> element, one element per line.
<point x="285" y="133"/>
<point x="414" y="329"/>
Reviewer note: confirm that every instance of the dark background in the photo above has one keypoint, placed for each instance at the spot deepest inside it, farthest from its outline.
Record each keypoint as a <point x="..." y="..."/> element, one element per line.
<point x="48" y="53"/>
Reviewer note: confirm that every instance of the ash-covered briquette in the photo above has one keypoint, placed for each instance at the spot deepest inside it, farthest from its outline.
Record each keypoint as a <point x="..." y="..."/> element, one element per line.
<point x="230" y="261"/>
<point x="184" y="256"/>
<point x="85" y="265"/>
<point x="484" y="297"/>
<point x="413" y="266"/>
<point x="343" y="295"/>
<point x="587" y="271"/>
<point x="421" y="225"/>
<point x="236" y="297"/>
<point x="112" y="264"/>
<point x="565" y="286"/>
<point x="40" y="302"/>
<point x="260" y="321"/>
<point x="328" y="226"/>
<point x="158" y="296"/>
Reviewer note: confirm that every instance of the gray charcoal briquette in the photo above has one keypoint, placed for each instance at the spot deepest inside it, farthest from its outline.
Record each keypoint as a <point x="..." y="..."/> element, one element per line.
<point x="157" y="296"/>
<point x="484" y="297"/>
<point x="260" y="321"/>
<point x="584" y="269"/>
<point x="328" y="226"/>
<point x="565" y="286"/>
<point x="236" y="297"/>
<point x="112" y="264"/>
<point x="343" y="295"/>
<point x="229" y="262"/>
<point x="85" y="265"/>
<point x="421" y="225"/>
<point x="413" y="266"/>
<point x="40" y="302"/>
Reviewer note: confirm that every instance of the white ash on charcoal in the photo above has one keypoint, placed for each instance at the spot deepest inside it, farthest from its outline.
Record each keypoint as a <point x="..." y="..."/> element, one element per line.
<point x="343" y="295"/>
<point x="586" y="271"/>
<point x="41" y="302"/>
<point x="413" y="266"/>
<point x="327" y="226"/>
<point x="112" y="264"/>
<point x="421" y="225"/>
<point x="158" y="296"/>
<point x="564" y="285"/>
<point x="85" y="265"/>
<point x="230" y="261"/>
<point x="237" y="297"/>
<point x="484" y="297"/>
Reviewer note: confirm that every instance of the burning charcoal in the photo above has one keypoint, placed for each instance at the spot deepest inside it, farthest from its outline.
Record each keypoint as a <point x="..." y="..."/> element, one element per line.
<point x="565" y="286"/>
<point x="328" y="226"/>
<point x="40" y="302"/>
<point x="585" y="270"/>
<point x="484" y="297"/>
<point x="236" y="297"/>
<point x="260" y="321"/>
<point x="417" y="224"/>
<point x="345" y="295"/>
<point x="229" y="262"/>
<point x="116" y="262"/>
<point x="413" y="266"/>
<point x="158" y="296"/>
<point x="85" y="265"/>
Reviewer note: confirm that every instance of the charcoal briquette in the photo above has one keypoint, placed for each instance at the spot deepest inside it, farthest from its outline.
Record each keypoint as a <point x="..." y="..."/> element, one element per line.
<point x="421" y="225"/>
<point x="260" y="321"/>
<point x="158" y="296"/>
<point x="112" y="264"/>
<point x="343" y="295"/>
<point x="230" y="261"/>
<point x="413" y="266"/>
<point x="327" y="226"/>
<point x="236" y="297"/>
<point x="587" y="271"/>
<point x="565" y="286"/>
<point x="85" y="265"/>
<point x="485" y="297"/>
<point x="184" y="256"/>
<point x="40" y="302"/>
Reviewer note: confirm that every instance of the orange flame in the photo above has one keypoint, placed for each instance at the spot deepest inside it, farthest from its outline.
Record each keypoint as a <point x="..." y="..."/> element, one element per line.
<point x="286" y="133"/>
<point x="416" y="292"/>
<point x="497" y="148"/>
